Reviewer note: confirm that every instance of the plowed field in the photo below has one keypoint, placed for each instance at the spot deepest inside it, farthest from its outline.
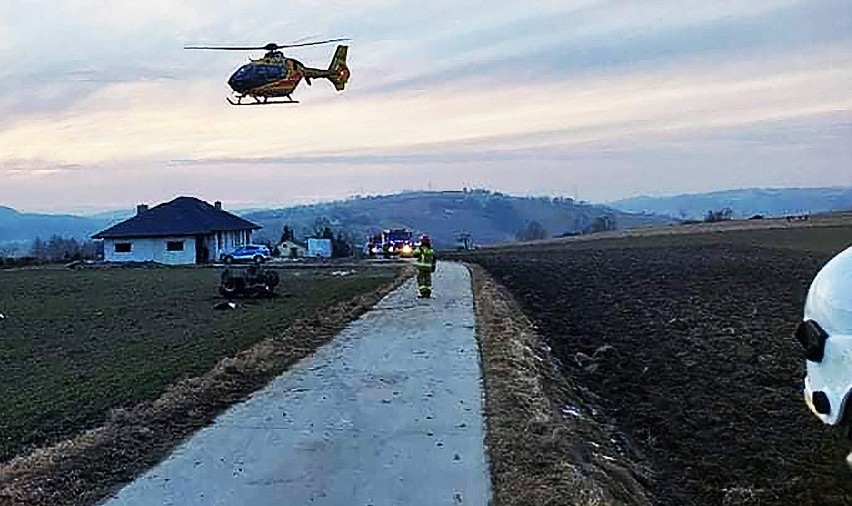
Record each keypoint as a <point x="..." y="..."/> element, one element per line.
<point x="686" y="347"/>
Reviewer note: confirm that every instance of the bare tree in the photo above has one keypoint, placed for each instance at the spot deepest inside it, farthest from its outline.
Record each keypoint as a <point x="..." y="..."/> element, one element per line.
<point x="724" y="214"/>
<point x="465" y="240"/>
<point x="603" y="223"/>
<point x="7" y="251"/>
<point x="533" y="232"/>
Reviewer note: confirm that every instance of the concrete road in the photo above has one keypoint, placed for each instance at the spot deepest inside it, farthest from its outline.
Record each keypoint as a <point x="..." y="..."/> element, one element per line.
<point x="389" y="413"/>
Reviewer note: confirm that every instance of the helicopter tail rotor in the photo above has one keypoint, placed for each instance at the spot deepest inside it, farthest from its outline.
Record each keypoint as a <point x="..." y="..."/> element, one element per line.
<point x="338" y="71"/>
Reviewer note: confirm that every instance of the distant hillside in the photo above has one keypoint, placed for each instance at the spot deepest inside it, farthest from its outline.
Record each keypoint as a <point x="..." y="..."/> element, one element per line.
<point x="489" y="217"/>
<point x="744" y="203"/>
<point x="19" y="229"/>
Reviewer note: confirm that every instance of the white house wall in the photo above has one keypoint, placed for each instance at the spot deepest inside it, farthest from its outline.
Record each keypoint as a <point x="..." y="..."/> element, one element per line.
<point x="223" y="242"/>
<point x="151" y="250"/>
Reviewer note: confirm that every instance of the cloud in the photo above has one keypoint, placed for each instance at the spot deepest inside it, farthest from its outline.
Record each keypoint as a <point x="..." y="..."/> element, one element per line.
<point x="679" y="161"/>
<point x="156" y="121"/>
<point x="394" y="41"/>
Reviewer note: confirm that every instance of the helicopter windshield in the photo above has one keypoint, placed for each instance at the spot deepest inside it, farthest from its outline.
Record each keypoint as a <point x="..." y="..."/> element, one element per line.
<point x="243" y="72"/>
<point x="253" y="75"/>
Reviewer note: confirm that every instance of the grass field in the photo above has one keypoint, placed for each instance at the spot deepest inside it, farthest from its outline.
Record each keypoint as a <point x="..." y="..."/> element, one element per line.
<point x="76" y="344"/>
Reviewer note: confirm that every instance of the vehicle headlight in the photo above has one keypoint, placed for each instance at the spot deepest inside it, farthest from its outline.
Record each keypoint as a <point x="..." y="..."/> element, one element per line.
<point x="406" y="249"/>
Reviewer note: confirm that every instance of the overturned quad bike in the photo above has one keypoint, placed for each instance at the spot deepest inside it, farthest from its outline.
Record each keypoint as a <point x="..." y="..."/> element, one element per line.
<point x="252" y="281"/>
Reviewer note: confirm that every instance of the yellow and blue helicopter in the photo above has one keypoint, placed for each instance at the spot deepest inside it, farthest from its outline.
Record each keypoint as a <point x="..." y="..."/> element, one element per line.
<point x="276" y="76"/>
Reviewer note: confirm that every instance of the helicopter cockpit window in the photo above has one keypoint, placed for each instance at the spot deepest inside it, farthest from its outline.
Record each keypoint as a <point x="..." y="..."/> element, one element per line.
<point x="270" y="72"/>
<point x="279" y="72"/>
<point x="242" y="72"/>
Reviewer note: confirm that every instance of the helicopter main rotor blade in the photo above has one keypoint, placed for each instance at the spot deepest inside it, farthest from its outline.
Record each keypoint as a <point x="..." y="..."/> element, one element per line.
<point x="222" y="48"/>
<point x="305" y="39"/>
<point x="268" y="47"/>
<point x="329" y="41"/>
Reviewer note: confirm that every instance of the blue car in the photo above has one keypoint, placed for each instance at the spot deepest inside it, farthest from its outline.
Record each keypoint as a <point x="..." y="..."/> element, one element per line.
<point x="248" y="253"/>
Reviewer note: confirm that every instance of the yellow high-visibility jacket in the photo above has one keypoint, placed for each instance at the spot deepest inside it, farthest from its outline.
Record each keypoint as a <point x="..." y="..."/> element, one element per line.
<point x="425" y="259"/>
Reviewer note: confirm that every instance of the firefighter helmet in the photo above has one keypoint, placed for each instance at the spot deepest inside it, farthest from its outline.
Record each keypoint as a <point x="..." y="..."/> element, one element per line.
<point x="425" y="240"/>
<point x="826" y="337"/>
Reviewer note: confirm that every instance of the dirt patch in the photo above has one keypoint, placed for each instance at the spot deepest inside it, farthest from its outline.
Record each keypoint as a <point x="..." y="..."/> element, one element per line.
<point x="545" y="445"/>
<point x="85" y="469"/>
<point x="694" y="361"/>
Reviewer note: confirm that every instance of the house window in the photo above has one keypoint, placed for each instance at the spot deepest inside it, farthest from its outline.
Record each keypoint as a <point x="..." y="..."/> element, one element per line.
<point x="174" y="245"/>
<point x="123" y="247"/>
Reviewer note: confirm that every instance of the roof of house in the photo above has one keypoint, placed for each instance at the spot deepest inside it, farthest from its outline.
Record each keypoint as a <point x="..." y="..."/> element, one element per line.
<point x="182" y="216"/>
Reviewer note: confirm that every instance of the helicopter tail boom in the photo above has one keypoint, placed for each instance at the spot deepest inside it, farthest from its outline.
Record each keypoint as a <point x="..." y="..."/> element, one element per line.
<point x="337" y="73"/>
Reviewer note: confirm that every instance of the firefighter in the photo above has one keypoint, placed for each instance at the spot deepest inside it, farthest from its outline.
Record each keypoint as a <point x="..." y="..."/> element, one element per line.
<point x="826" y="338"/>
<point x="425" y="263"/>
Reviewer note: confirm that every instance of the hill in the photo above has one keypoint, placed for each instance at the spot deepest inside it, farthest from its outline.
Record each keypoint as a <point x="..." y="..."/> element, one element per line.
<point x="17" y="230"/>
<point x="490" y="217"/>
<point x="744" y="203"/>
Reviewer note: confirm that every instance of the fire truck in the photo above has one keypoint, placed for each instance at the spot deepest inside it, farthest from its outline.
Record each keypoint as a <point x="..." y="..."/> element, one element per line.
<point x="391" y="243"/>
<point x="398" y="242"/>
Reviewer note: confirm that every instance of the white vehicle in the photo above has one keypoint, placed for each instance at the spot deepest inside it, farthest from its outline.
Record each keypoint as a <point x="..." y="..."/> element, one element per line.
<point x="826" y="337"/>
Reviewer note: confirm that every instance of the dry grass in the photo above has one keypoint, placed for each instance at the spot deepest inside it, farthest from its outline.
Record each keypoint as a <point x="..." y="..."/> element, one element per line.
<point x="83" y="470"/>
<point x="546" y="446"/>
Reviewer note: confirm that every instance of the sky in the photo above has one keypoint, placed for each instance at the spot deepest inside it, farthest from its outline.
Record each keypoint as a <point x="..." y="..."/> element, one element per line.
<point x="101" y="108"/>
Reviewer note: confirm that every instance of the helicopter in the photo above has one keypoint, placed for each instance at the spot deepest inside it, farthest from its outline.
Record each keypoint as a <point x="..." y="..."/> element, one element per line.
<point x="277" y="76"/>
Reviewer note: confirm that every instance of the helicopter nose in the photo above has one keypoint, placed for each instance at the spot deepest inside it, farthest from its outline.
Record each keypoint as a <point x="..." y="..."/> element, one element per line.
<point x="236" y="84"/>
<point x="240" y="80"/>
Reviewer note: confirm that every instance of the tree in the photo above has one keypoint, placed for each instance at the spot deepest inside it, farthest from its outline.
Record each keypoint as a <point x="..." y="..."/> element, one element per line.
<point x="533" y="232"/>
<point x="288" y="234"/>
<point x="603" y="223"/>
<point x="723" y="214"/>
<point x="325" y="233"/>
<point x="38" y="250"/>
<point x="60" y="249"/>
<point x="6" y="252"/>
<point x="341" y="246"/>
<point x="465" y="240"/>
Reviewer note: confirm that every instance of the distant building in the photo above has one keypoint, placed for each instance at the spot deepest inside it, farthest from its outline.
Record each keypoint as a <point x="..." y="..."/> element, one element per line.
<point x="319" y="248"/>
<point x="184" y="231"/>
<point x="292" y="249"/>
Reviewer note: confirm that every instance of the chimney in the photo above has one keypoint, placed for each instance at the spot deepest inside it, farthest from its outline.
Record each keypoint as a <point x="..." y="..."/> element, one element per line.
<point x="141" y="208"/>
<point x="218" y="205"/>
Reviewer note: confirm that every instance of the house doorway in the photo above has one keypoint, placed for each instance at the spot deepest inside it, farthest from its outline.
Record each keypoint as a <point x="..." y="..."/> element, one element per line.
<point x="202" y="253"/>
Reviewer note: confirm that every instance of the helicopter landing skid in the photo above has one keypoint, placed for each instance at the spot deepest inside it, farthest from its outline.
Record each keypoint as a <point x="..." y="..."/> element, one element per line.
<point x="264" y="102"/>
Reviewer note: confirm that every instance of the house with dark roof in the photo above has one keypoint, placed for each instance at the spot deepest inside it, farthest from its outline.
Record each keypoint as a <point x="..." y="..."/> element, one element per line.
<point x="184" y="231"/>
